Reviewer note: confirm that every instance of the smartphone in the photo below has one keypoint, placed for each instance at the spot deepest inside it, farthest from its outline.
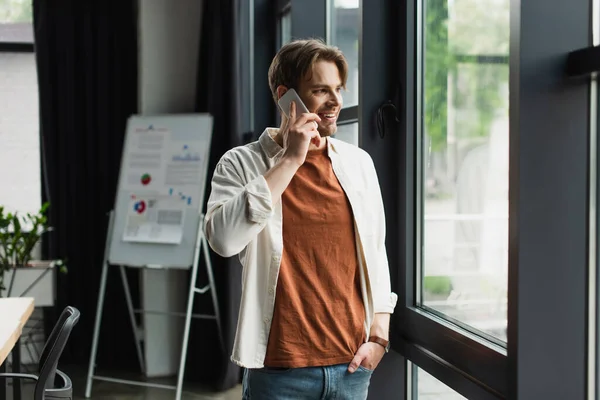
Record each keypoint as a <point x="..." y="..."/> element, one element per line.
<point x="285" y="101"/>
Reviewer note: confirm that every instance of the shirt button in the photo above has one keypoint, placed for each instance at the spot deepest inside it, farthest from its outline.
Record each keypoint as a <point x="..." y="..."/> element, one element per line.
<point x="271" y="291"/>
<point x="266" y="320"/>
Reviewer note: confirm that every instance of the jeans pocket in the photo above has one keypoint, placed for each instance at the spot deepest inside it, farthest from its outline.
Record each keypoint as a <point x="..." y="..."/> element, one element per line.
<point x="364" y="369"/>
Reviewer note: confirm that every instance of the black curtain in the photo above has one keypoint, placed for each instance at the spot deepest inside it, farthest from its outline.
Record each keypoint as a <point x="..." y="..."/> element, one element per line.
<point x="219" y="93"/>
<point x="86" y="54"/>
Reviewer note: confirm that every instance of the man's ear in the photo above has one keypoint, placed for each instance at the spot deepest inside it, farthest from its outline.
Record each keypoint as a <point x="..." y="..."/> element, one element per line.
<point x="281" y="90"/>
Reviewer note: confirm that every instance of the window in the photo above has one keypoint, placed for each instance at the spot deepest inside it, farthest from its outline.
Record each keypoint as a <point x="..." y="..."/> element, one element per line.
<point x="464" y="164"/>
<point x="426" y="387"/>
<point x="285" y="25"/>
<point x="343" y="32"/>
<point x="19" y="130"/>
<point x="453" y="233"/>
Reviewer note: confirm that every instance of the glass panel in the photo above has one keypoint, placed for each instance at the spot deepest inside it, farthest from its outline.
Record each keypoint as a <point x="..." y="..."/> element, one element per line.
<point x="429" y="388"/>
<point x="19" y="133"/>
<point x="345" y="29"/>
<point x="464" y="179"/>
<point x="286" y="28"/>
<point x="15" y="21"/>
<point x="348" y="133"/>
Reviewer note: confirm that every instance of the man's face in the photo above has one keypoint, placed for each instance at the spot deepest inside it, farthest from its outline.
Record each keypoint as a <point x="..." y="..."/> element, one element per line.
<point x="320" y="90"/>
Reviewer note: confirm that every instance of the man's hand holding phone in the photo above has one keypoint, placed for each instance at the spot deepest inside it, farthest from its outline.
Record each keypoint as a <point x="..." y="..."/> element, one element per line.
<point x="299" y="133"/>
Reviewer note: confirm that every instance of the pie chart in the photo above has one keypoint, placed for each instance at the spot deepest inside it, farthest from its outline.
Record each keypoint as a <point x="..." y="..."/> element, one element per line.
<point x="139" y="206"/>
<point x="145" y="179"/>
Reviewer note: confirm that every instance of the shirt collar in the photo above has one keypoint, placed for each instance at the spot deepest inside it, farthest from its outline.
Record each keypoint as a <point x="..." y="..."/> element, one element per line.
<point x="272" y="149"/>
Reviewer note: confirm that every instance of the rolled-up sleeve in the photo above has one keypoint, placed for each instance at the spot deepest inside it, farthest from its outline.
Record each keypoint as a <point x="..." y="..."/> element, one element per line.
<point x="259" y="202"/>
<point x="237" y="211"/>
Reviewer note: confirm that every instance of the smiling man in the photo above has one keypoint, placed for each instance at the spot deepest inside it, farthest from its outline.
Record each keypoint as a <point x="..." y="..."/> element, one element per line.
<point x="304" y="213"/>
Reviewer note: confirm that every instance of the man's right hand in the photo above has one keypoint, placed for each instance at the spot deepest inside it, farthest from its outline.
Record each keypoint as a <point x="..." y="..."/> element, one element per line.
<point x="298" y="134"/>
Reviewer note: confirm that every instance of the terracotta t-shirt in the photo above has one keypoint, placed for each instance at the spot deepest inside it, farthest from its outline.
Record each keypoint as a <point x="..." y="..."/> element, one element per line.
<point x="319" y="313"/>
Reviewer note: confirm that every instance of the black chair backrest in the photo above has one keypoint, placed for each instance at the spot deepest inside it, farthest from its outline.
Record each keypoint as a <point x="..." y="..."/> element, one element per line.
<point x="54" y="347"/>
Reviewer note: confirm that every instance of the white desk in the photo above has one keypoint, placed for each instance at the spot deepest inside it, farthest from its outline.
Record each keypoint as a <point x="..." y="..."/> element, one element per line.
<point x="14" y="313"/>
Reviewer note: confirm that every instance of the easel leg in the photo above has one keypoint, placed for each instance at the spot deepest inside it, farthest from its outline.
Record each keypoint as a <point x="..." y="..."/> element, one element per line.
<point x="188" y="314"/>
<point x="99" y="308"/>
<point x="132" y="319"/>
<point x="186" y="330"/>
<point x="213" y="292"/>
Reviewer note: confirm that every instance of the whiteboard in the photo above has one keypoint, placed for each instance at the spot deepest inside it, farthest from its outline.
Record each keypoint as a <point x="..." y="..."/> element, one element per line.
<point x="160" y="193"/>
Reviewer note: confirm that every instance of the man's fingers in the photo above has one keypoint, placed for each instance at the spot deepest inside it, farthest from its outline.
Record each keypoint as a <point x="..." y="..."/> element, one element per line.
<point x="354" y="363"/>
<point x="306" y="118"/>
<point x="292" y="110"/>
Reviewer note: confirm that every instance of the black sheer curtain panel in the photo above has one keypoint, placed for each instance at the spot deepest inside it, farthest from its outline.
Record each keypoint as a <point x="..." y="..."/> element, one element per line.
<point x="219" y="94"/>
<point x="86" y="55"/>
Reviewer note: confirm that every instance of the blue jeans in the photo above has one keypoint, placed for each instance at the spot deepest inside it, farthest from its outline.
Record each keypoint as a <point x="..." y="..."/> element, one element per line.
<point x="312" y="383"/>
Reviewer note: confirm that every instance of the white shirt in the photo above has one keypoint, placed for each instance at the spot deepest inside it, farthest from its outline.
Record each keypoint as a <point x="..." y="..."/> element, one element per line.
<point x="241" y="219"/>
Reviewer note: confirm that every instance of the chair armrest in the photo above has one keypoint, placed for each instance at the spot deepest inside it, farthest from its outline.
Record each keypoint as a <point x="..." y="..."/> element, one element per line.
<point x="66" y="386"/>
<point x="18" y="376"/>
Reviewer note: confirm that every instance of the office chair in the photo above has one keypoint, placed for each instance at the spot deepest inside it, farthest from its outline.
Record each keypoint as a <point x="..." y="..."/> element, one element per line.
<point x="52" y="384"/>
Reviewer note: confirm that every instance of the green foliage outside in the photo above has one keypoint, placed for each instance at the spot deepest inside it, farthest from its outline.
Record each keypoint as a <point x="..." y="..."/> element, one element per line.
<point x="16" y="11"/>
<point x="437" y="62"/>
<point x="475" y="28"/>
<point x="437" y="285"/>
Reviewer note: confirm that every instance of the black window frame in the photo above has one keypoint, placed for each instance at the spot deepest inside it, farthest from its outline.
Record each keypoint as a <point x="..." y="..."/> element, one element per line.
<point x="16" y="47"/>
<point x="464" y="362"/>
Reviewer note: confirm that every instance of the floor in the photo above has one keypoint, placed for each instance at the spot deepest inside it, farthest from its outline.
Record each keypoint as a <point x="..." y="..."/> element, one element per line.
<point x="115" y="391"/>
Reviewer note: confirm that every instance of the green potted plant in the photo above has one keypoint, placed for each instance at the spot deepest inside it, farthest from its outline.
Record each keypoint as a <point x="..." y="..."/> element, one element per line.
<point x="19" y="235"/>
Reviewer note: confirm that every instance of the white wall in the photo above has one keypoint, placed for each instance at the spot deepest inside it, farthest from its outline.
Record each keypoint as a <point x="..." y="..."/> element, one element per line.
<point x="169" y="43"/>
<point x="19" y="134"/>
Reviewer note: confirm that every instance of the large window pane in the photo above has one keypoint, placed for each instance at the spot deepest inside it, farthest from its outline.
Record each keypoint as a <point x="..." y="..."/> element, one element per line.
<point x="344" y="33"/>
<point x="429" y="388"/>
<point x="19" y="133"/>
<point x="464" y="161"/>
<point x="15" y="21"/>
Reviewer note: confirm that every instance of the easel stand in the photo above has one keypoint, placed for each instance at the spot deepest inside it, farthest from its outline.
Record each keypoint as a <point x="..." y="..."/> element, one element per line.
<point x="201" y="244"/>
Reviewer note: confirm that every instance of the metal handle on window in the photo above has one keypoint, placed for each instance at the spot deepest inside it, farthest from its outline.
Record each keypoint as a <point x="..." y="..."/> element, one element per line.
<point x="583" y="62"/>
